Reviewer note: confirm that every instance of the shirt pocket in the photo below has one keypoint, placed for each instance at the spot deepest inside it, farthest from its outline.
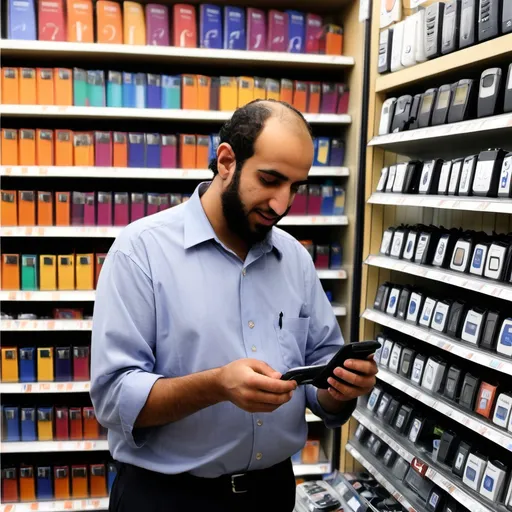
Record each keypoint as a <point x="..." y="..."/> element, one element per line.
<point x="292" y="338"/>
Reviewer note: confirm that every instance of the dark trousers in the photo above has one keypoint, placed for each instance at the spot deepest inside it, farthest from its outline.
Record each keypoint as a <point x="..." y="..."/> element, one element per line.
<point x="139" y="490"/>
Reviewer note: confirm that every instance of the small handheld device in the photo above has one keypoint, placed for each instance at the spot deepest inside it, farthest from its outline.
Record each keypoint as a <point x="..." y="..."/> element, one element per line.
<point x="408" y="57"/>
<point x="489" y="19"/>
<point x="442" y="105"/>
<point x="451" y="23"/>
<point x="474" y="472"/>
<point x="434" y="29"/>
<point x="386" y="116"/>
<point x="402" y="113"/>
<point x="430" y="174"/>
<point x="426" y="107"/>
<point x="453" y="185"/>
<point x="506" y="17"/>
<point x="468" y="23"/>
<point x="489" y="94"/>
<point x="396" y="48"/>
<point x="444" y="178"/>
<point x="385" y="42"/>
<point x="467" y="175"/>
<point x="507" y="103"/>
<point x="415" y="109"/>
<point x="488" y="172"/>
<point x="505" y="183"/>
<point x="318" y="374"/>
<point x="318" y="496"/>
<point x="383" y="179"/>
<point x="461" y="458"/>
<point x="463" y="101"/>
<point x="420" y="36"/>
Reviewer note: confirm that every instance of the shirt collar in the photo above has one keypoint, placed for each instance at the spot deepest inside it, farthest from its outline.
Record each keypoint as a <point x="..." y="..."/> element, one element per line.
<point x="198" y="228"/>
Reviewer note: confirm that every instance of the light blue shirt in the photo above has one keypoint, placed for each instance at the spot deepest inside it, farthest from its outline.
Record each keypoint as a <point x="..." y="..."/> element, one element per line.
<point x="173" y="300"/>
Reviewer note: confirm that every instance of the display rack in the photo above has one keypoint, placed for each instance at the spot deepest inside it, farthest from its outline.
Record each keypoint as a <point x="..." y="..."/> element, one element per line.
<point x="345" y="68"/>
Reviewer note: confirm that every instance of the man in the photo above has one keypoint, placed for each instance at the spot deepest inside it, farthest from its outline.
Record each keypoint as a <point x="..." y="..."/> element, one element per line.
<point x="200" y="309"/>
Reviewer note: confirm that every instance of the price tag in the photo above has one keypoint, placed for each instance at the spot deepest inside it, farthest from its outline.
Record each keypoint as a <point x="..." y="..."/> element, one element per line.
<point x="68" y="505"/>
<point x="34" y="506"/>
<point x="24" y="170"/>
<point x="8" y="171"/>
<point x="43" y="171"/>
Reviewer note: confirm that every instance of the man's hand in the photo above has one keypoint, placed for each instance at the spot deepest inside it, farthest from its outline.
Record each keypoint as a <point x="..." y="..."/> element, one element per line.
<point x="354" y="385"/>
<point x="254" y="386"/>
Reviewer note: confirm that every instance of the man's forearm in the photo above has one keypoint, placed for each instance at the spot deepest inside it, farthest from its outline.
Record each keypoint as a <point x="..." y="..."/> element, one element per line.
<point x="330" y="404"/>
<point x="176" y="398"/>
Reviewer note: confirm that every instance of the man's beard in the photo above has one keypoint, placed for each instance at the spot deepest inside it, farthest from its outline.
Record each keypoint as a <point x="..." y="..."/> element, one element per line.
<point x="237" y="216"/>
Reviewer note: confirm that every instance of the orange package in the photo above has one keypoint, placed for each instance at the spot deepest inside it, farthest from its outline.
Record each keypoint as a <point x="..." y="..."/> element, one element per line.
<point x="10" y="86"/>
<point x="44" y="209"/>
<point x="63" y="86"/>
<point x="28" y="88"/>
<point x="9" y="146"/>
<point x="45" y="88"/>
<point x="63" y="147"/>
<point x="26" y="208"/>
<point x="109" y="22"/>
<point x="44" y="147"/>
<point x="80" y="24"/>
<point x="27" y="147"/>
<point x="9" y="208"/>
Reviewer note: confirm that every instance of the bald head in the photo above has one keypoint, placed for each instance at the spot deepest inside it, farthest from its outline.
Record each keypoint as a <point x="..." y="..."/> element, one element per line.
<point x="248" y="122"/>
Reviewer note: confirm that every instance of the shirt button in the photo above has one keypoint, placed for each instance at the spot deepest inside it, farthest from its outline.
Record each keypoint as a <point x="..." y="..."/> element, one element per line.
<point x="244" y="272"/>
<point x="253" y="348"/>
<point x="259" y="423"/>
<point x="259" y="456"/>
<point x="251" y="324"/>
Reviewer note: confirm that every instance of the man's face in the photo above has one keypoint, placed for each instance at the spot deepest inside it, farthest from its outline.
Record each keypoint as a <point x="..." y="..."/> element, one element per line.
<point x="262" y="192"/>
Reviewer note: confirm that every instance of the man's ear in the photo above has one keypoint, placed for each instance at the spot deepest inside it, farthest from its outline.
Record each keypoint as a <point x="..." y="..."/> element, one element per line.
<point x="226" y="161"/>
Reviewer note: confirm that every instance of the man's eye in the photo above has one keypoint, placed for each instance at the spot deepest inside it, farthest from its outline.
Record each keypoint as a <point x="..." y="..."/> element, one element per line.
<point x="268" y="183"/>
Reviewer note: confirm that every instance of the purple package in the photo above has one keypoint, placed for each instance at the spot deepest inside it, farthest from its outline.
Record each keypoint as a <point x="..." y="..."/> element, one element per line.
<point x="103" y="149"/>
<point x="300" y="203"/>
<point x="157" y="25"/>
<point x="234" y="28"/>
<point x="121" y="210"/>
<point x="90" y="209"/>
<point x="343" y="97"/>
<point x="210" y="26"/>
<point x="277" y="31"/>
<point x="104" y="208"/>
<point x="154" y="91"/>
<point x="314" y="27"/>
<point x="137" y="206"/>
<point x="165" y="202"/>
<point x="153" y="203"/>
<point x="256" y="30"/>
<point x="296" y="31"/>
<point x="168" y="152"/>
<point x="337" y="155"/>
<point x="329" y="101"/>
<point x="77" y="208"/>
<point x="153" y="152"/>
<point x="314" y="199"/>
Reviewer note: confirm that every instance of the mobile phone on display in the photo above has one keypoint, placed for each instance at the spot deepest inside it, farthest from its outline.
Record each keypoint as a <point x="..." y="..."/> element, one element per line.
<point x="317" y="375"/>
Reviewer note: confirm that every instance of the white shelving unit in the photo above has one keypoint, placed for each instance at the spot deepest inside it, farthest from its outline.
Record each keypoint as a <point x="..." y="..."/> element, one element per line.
<point x="438" y="476"/>
<point x="381" y="478"/>
<point x="169" y="54"/>
<point x="45" y="325"/>
<point x="206" y="116"/>
<point x="472" y="204"/>
<point x="19" y="171"/>
<point x="321" y="468"/>
<point x="56" y="506"/>
<point x="459" y="348"/>
<point x="484" y="428"/>
<point x="466" y="281"/>
<point x="54" y="446"/>
<point x="44" y="387"/>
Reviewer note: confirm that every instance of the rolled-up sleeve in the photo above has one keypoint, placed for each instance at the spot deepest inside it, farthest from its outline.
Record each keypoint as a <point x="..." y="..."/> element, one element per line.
<point x="123" y="345"/>
<point x="324" y="340"/>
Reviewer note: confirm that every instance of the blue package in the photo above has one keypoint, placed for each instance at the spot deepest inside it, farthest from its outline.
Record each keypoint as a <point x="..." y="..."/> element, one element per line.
<point x="44" y="483"/>
<point x="234" y="28"/>
<point x="296" y="31"/>
<point x="140" y="90"/>
<point x="154" y="91"/>
<point x="96" y="88"/>
<point x="111" y="475"/>
<point x="63" y="364"/>
<point x="11" y="417"/>
<point x="171" y="91"/>
<point x="115" y="89"/>
<point x="337" y="155"/>
<point x="21" y="15"/>
<point x="322" y="149"/>
<point x="27" y="364"/>
<point x="210" y="26"/>
<point x="336" y="257"/>
<point x="214" y="144"/>
<point x="327" y="207"/>
<point x="153" y="150"/>
<point x="339" y="201"/>
<point x="128" y="90"/>
<point x="28" y="424"/>
<point x="136" y="150"/>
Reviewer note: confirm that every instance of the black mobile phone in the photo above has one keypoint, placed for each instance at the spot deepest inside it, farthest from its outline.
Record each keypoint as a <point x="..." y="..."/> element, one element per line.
<point x="318" y="374"/>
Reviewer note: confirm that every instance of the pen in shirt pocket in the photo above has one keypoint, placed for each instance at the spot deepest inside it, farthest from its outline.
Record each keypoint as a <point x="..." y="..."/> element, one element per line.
<point x="281" y="320"/>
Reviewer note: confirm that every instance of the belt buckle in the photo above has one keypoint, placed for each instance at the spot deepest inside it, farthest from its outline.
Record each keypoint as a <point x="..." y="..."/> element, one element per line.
<point x="234" y="487"/>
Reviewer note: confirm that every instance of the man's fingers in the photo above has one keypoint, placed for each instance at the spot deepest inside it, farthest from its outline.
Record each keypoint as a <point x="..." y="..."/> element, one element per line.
<point x="262" y="368"/>
<point x="367" y="367"/>
<point x="270" y="398"/>
<point x="360" y="381"/>
<point x="271" y="385"/>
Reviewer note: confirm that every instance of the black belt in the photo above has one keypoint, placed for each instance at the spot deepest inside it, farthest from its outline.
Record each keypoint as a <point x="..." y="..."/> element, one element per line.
<point x="239" y="483"/>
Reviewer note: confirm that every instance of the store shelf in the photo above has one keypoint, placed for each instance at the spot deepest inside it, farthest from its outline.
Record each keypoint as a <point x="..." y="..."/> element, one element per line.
<point x="168" y="54"/>
<point x="211" y="116"/>
<point x="314" y="220"/>
<point x="461" y="280"/>
<point x="378" y="474"/>
<point x="19" y="171"/>
<point x="45" y="325"/>
<point x="331" y="274"/>
<point x="459" y="348"/>
<point x="480" y="57"/>
<point x="339" y="310"/>
<point x="472" y="204"/>
<point x="312" y="418"/>
<point x="54" y="446"/>
<point x="312" y="469"/>
<point x="45" y="387"/>
<point x="56" y="506"/>
<point x="42" y="296"/>
<point x="450" y="140"/>
<point x="449" y="409"/>
<point x="437" y="475"/>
